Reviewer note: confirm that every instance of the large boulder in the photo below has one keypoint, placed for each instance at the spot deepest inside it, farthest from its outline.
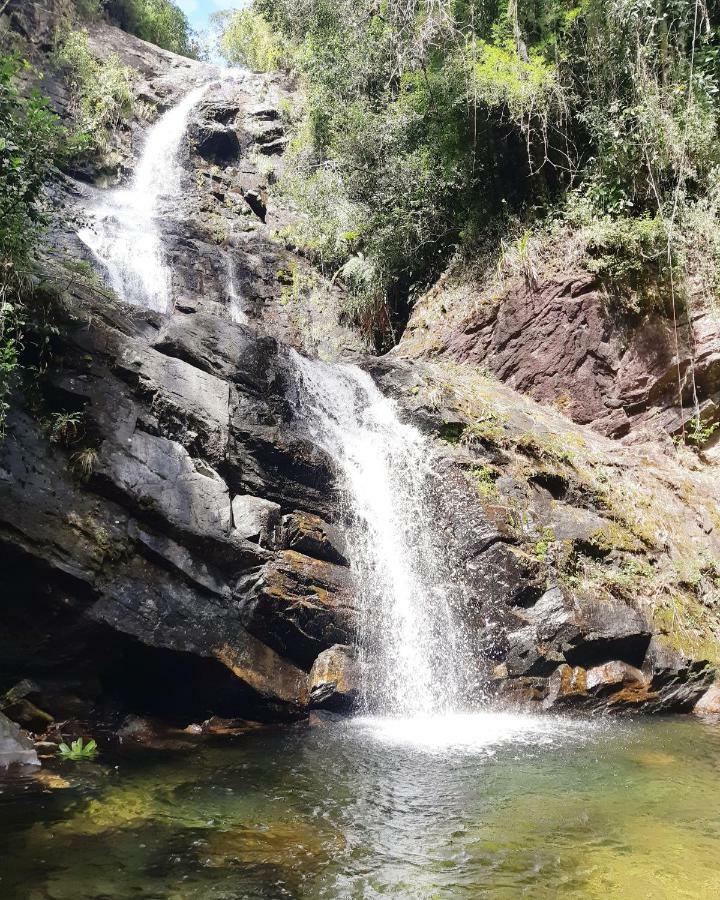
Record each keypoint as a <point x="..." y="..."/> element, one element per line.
<point x="255" y="519"/>
<point x="298" y="605"/>
<point x="334" y="680"/>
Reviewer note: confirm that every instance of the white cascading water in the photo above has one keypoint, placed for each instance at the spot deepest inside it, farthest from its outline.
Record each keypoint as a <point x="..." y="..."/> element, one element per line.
<point x="414" y="651"/>
<point x="236" y="311"/>
<point x="124" y="234"/>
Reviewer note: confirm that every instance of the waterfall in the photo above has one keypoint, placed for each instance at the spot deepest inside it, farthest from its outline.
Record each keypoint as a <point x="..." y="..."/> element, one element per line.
<point x="414" y="652"/>
<point x="124" y="233"/>
<point x="236" y="311"/>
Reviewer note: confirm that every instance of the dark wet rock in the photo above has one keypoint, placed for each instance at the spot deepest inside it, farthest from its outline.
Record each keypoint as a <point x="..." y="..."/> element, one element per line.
<point x="312" y="536"/>
<point x="23" y="690"/>
<point x="16" y="748"/>
<point x="216" y="143"/>
<point x="29" y="716"/>
<point x="334" y="680"/>
<point x="299" y="605"/>
<point x="147" y="546"/>
<point x="216" y="725"/>
<point x="158" y="475"/>
<point x="164" y="613"/>
<point x="19" y="704"/>
<point x="223" y="111"/>
<point x="677" y="680"/>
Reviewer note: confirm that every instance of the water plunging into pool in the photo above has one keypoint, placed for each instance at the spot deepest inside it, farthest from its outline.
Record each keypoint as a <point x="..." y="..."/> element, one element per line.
<point x="124" y="233"/>
<point x="414" y="650"/>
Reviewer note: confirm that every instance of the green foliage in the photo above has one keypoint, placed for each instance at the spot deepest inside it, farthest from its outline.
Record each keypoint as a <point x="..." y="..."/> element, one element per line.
<point x="698" y="433"/>
<point x="11" y="323"/>
<point x="64" y="427"/>
<point x="543" y="546"/>
<point x="89" y="9"/>
<point x="250" y="40"/>
<point x="429" y="125"/>
<point x="84" y="461"/>
<point x="628" y="249"/>
<point x="483" y="480"/>
<point x="78" y="750"/>
<point x="160" y="22"/>
<point x="30" y="139"/>
<point x="163" y="23"/>
<point x="101" y="91"/>
<point x="646" y="98"/>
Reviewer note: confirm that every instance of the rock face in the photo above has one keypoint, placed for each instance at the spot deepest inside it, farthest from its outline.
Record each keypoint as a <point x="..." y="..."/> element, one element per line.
<point x="16" y="748"/>
<point x="618" y="374"/>
<point x="165" y="538"/>
<point x="577" y="551"/>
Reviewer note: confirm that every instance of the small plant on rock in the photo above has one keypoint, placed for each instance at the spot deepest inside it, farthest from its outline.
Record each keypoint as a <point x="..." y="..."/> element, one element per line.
<point x="78" y="750"/>
<point x="64" y="427"/>
<point x="84" y="461"/>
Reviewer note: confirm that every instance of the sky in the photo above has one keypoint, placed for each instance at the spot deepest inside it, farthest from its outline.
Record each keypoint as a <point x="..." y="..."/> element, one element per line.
<point x="199" y="11"/>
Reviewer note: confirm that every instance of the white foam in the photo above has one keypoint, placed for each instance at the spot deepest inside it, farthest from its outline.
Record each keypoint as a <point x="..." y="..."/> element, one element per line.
<point x="473" y="732"/>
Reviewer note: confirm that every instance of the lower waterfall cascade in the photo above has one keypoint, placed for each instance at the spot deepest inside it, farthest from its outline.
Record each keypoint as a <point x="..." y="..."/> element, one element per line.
<point x="415" y="656"/>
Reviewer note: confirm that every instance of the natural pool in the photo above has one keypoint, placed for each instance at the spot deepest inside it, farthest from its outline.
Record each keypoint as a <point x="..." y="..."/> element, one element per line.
<point x="488" y="806"/>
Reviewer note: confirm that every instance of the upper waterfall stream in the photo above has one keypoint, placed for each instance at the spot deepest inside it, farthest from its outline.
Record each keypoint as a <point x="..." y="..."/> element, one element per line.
<point x="124" y="233"/>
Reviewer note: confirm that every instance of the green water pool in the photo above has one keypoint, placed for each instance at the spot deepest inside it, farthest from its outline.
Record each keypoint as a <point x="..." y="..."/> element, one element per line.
<point x="486" y="806"/>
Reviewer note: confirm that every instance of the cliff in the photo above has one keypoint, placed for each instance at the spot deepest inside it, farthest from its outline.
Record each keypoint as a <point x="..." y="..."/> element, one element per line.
<point x="169" y="533"/>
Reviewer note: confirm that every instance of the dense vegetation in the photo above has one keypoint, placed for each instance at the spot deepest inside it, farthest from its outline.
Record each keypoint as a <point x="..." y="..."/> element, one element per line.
<point x="440" y="128"/>
<point x="100" y="92"/>
<point x="30" y="139"/>
<point x="160" y="22"/>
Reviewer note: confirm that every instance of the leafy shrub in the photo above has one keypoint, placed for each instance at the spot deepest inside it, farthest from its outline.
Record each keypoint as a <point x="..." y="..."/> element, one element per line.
<point x="250" y="40"/>
<point x="89" y="9"/>
<point x="429" y="125"/>
<point x="163" y="23"/>
<point x="160" y="22"/>
<point x="101" y="91"/>
<point x="64" y="427"/>
<point x="30" y="140"/>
